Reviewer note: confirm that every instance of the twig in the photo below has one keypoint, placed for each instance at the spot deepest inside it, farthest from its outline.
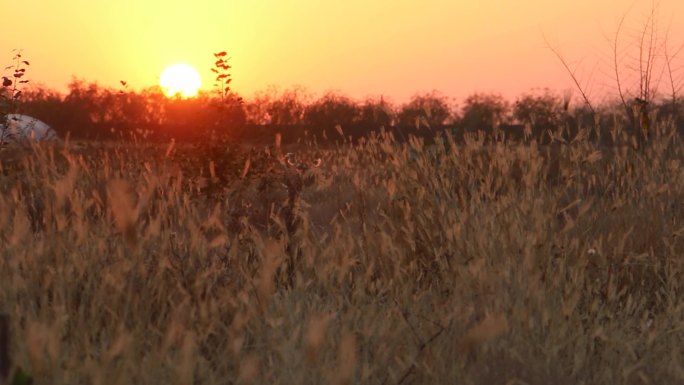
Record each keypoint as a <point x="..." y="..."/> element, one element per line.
<point x="673" y="87"/>
<point x="616" y="67"/>
<point x="421" y="347"/>
<point x="420" y="351"/>
<point x="579" y="87"/>
<point x="415" y="333"/>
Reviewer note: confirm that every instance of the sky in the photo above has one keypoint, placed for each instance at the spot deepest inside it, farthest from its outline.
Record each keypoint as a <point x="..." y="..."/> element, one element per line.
<point x="361" y="48"/>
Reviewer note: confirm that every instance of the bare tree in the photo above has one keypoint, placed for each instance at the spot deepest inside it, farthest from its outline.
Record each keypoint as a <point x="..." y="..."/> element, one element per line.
<point x="638" y="68"/>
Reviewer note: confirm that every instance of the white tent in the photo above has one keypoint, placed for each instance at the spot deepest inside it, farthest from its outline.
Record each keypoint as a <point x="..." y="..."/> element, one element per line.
<point x="21" y="128"/>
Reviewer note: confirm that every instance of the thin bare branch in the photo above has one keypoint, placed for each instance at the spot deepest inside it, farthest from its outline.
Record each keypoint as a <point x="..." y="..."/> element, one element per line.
<point x="570" y="72"/>
<point x="621" y="93"/>
<point x="673" y="87"/>
<point x="642" y="72"/>
<point x="649" y="88"/>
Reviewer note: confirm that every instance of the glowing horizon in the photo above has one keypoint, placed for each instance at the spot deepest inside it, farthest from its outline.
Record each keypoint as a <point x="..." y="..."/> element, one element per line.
<point x="390" y="48"/>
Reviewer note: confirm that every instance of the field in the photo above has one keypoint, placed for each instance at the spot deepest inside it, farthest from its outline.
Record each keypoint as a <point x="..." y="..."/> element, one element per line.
<point x="388" y="263"/>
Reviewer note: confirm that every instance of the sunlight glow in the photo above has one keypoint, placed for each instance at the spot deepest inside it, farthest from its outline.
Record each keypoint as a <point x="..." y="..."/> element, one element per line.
<point x="180" y="79"/>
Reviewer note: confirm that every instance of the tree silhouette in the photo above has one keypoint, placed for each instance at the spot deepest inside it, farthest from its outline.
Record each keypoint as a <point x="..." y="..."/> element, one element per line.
<point x="375" y="113"/>
<point x="484" y="112"/>
<point x="541" y="111"/>
<point x="430" y="109"/>
<point x="280" y="108"/>
<point x="331" y="110"/>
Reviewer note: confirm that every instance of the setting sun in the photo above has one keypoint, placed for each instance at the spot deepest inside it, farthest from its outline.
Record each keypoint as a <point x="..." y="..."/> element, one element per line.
<point x="180" y="79"/>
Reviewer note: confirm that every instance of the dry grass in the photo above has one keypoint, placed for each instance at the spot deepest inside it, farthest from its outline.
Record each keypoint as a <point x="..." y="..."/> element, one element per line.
<point x="476" y="263"/>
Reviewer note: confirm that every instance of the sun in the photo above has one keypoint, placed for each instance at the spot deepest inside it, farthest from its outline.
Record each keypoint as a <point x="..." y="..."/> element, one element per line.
<point x="180" y="80"/>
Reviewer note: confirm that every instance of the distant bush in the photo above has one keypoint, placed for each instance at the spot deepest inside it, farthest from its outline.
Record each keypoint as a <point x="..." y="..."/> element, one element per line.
<point x="375" y="113"/>
<point x="541" y="110"/>
<point x="484" y="112"/>
<point x="430" y="109"/>
<point x="331" y="110"/>
<point x="276" y="107"/>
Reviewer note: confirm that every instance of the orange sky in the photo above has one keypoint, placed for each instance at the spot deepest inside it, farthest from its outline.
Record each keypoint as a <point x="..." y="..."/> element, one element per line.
<point x="358" y="47"/>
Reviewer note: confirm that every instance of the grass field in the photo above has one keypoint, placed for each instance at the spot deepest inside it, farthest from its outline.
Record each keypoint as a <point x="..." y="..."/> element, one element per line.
<point x="472" y="263"/>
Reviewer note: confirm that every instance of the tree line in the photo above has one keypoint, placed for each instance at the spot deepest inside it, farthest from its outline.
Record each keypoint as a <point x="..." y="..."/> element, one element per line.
<point x="90" y="111"/>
